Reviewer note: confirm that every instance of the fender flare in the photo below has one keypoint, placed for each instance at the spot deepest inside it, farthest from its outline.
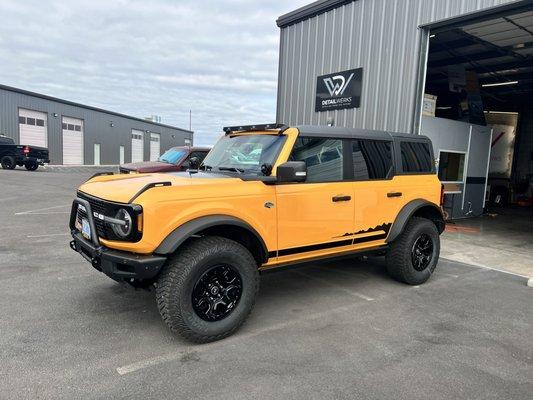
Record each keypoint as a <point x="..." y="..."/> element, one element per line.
<point x="405" y="215"/>
<point x="185" y="231"/>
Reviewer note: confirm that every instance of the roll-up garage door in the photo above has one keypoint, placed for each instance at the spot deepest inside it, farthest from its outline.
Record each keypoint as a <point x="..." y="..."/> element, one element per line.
<point x="72" y="141"/>
<point x="137" y="146"/>
<point x="155" y="146"/>
<point x="33" y="128"/>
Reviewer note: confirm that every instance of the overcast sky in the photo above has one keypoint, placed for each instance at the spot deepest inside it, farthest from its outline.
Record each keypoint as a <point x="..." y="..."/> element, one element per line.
<point x="217" y="58"/>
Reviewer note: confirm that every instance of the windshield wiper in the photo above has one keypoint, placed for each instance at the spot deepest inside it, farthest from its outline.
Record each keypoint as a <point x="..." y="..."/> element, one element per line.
<point x="234" y="169"/>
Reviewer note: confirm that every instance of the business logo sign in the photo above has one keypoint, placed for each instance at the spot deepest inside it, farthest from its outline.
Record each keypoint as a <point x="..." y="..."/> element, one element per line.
<point x="339" y="90"/>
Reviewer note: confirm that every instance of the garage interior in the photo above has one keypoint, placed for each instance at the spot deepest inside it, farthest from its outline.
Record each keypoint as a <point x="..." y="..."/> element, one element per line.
<point x="478" y="109"/>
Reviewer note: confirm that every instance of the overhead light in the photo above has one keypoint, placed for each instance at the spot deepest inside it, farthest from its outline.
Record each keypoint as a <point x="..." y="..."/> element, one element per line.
<point x="499" y="84"/>
<point x="432" y="36"/>
<point x="444" y="108"/>
<point x="501" y="112"/>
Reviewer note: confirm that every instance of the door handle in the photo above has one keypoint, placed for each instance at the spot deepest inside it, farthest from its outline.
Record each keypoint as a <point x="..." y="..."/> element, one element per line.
<point x="336" y="199"/>
<point x="394" y="194"/>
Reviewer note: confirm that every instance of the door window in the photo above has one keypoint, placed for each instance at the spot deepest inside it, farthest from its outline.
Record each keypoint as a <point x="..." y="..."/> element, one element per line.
<point x="372" y="159"/>
<point x="323" y="157"/>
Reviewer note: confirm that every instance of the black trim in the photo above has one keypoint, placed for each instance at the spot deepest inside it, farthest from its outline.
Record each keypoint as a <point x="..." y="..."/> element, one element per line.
<point x="254" y="128"/>
<point x="314" y="247"/>
<point x="407" y="212"/>
<point x="149" y="186"/>
<point x="475" y="180"/>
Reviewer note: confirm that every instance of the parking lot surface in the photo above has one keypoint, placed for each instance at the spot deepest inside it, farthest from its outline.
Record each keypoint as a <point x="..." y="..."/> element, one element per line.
<point x="338" y="329"/>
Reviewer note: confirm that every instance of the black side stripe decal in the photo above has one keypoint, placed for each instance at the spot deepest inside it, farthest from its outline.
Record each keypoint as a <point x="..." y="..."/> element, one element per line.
<point x="322" y="246"/>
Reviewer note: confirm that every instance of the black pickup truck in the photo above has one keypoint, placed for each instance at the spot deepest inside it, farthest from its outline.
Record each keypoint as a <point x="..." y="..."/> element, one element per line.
<point x="12" y="154"/>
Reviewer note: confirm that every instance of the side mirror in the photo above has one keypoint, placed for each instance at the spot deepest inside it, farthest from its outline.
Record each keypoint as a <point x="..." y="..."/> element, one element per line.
<point x="194" y="163"/>
<point x="292" y="171"/>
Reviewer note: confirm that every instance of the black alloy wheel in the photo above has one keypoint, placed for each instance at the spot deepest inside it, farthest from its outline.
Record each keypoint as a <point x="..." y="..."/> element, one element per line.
<point x="422" y="252"/>
<point x="216" y="293"/>
<point x="8" y="162"/>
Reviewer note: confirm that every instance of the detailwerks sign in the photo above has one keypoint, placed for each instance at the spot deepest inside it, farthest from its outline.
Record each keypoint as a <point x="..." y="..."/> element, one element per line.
<point x="339" y="90"/>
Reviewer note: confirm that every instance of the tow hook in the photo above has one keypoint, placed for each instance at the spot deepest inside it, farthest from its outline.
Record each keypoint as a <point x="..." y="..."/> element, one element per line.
<point x="73" y="245"/>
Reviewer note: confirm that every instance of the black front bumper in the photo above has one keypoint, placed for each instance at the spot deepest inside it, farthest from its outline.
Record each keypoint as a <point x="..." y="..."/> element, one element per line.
<point x="121" y="266"/>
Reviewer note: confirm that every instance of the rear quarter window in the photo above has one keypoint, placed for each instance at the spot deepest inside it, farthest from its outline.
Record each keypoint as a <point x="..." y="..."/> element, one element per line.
<point x="416" y="157"/>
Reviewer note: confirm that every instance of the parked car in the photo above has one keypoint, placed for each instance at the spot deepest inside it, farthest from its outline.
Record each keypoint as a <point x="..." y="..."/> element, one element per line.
<point x="264" y="197"/>
<point x="174" y="159"/>
<point x="12" y="154"/>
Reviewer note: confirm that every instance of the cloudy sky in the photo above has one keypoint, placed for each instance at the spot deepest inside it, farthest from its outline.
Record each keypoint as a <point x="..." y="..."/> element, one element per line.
<point x="218" y="58"/>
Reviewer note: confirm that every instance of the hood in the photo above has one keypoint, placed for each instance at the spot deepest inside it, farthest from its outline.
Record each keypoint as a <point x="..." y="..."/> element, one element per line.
<point x="150" y="166"/>
<point x="121" y="188"/>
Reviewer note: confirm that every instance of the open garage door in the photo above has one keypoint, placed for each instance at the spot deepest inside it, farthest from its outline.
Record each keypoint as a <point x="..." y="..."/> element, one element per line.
<point x="155" y="146"/>
<point x="478" y="101"/>
<point x="33" y="128"/>
<point x="137" y="145"/>
<point x="72" y="129"/>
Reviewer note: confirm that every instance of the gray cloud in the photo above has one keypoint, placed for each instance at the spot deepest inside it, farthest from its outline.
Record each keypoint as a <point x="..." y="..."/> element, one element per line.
<point x="217" y="58"/>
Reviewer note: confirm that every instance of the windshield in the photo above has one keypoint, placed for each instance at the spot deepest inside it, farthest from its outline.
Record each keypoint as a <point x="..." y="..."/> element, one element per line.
<point x="172" y="156"/>
<point x="246" y="153"/>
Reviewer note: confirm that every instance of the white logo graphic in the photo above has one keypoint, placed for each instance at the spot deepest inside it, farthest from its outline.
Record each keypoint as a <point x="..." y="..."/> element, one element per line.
<point x="337" y="85"/>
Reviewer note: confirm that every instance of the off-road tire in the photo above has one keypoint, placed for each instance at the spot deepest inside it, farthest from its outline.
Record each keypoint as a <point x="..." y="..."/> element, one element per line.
<point x="31" y="166"/>
<point x="8" y="162"/>
<point x="399" y="261"/>
<point x="179" y="275"/>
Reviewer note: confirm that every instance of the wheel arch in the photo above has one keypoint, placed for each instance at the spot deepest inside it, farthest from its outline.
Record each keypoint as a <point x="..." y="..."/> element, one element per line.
<point x="216" y="225"/>
<point x="416" y="208"/>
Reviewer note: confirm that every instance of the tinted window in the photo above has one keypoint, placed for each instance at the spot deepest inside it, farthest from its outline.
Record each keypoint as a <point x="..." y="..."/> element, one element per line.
<point x="172" y="156"/>
<point x="372" y="159"/>
<point x="323" y="158"/>
<point x="416" y="157"/>
<point x="200" y="155"/>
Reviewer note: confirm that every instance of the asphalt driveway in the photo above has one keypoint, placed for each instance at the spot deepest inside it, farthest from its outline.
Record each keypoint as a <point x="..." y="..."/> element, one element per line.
<point x="338" y="329"/>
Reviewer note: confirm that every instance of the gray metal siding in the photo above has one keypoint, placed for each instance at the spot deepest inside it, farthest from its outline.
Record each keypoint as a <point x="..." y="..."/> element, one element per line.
<point x="97" y="128"/>
<point x="383" y="37"/>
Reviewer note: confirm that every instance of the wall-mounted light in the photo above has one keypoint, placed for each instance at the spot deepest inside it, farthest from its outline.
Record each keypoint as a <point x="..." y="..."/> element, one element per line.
<point x="111" y="124"/>
<point x="55" y="115"/>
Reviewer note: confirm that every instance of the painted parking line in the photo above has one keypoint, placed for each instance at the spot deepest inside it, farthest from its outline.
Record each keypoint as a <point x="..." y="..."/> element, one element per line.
<point x="198" y="349"/>
<point x="46" y="210"/>
<point x="485" y="267"/>
<point x="47" y="235"/>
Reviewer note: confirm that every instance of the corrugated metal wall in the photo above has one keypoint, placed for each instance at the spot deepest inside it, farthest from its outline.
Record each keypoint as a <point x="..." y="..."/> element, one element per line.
<point x="382" y="36"/>
<point x="97" y="126"/>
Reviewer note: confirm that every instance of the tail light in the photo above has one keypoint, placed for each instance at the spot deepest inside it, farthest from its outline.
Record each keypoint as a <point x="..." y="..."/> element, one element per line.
<point x="441" y="194"/>
<point x="26" y="150"/>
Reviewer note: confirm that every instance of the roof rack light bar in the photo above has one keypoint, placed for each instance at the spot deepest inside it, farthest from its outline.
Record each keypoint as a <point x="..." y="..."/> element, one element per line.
<point x="252" y="128"/>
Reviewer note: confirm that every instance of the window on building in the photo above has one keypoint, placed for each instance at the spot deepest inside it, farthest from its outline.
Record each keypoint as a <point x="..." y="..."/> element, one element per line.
<point x="22" y="120"/>
<point x="451" y="166"/>
<point x="64" y="126"/>
<point x="372" y="159"/>
<point x="39" y="122"/>
<point x="77" y="128"/>
<point x="416" y="157"/>
<point x="322" y="156"/>
<point x="30" y="121"/>
<point x="70" y="127"/>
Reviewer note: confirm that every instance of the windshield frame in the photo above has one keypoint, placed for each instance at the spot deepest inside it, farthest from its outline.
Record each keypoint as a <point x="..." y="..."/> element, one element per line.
<point x="256" y="170"/>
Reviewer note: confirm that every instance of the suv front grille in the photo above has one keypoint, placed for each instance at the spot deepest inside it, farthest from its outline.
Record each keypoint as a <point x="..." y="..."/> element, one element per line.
<point x="104" y="231"/>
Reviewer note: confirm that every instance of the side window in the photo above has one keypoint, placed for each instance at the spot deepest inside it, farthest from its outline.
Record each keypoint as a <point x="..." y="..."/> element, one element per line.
<point x="372" y="159"/>
<point x="200" y="155"/>
<point x="416" y="157"/>
<point x="322" y="156"/>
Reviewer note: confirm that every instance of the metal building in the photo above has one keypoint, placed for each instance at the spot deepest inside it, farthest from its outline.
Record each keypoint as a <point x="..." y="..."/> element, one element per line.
<point x="458" y="71"/>
<point x="77" y="134"/>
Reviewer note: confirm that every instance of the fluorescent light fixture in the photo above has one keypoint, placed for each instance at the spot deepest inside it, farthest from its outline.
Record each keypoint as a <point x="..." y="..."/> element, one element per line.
<point x="501" y="112"/>
<point x="500" y="84"/>
<point x="432" y="36"/>
<point x="444" y="108"/>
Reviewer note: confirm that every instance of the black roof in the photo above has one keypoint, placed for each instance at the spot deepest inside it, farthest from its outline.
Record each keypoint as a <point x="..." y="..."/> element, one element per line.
<point x="310" y="10"/>
<point x="71" y="103"/>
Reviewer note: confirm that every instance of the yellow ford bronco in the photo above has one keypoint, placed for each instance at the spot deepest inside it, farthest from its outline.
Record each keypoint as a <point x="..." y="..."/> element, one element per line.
<point x="265" y="196"/>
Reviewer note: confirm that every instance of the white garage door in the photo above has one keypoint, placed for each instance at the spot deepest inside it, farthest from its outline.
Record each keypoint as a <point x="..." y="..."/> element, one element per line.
<point x="72" y="141"/>
<point x="155" y="146"/>
<point x="33" y="128"/>
<point x="137" y="146"/>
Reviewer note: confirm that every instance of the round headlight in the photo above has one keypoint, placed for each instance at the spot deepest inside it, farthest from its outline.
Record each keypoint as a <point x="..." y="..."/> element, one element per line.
<point x="124" y="230"/>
